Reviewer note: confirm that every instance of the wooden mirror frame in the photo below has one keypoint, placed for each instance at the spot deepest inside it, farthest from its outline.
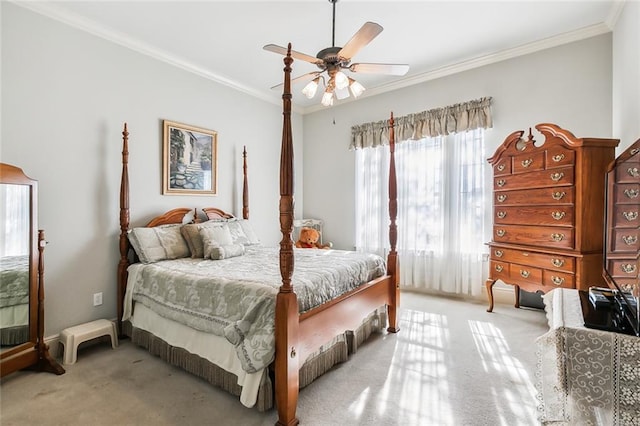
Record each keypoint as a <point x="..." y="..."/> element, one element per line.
<point x="34" y="353"/>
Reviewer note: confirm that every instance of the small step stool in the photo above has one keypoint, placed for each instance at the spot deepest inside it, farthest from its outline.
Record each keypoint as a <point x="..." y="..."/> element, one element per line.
<point x="72" y="337"/>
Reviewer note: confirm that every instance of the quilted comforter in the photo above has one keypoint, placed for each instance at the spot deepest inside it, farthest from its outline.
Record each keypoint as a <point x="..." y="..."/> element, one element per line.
<point x="235" y="297"/>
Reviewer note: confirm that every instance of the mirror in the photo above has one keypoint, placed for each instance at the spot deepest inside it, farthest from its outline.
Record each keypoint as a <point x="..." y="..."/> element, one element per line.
<point x="15" y="265"/>
<point x="622" y="237"/>
<point x="21" y="276"/>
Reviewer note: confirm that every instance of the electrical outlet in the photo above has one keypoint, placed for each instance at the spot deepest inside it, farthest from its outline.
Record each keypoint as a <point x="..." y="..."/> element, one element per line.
<point x="97" y="299"/>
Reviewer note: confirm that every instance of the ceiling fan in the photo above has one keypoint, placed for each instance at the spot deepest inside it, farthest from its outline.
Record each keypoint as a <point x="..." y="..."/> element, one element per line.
<point x="333" y="60"/>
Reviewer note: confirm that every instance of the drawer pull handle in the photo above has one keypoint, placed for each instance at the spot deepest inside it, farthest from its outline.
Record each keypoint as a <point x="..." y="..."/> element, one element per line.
<point x="557" y="215"/>
<point x="557" y="280"/>
<point x="628" y="268"/>
<point x="498" y="253"/>
<point x="501" y="215"/>
<point x="501" y="183"/>
<point x="633" y="172"/>
<point x="558" y="195"/>
<point x="630" y="215"/>
<point x="634" y="151"/>
<point x="557" y="237"/>
<point x="501" y="232"/>
<point x="557" y="262"/>
<point x="499" y="268"/>
<point x="630" y="239"/>
<point x="557" y="176"/>
<point x="526" y="163"/>
<point x="558" y="157"/>
<point x="500" y="167"/>
<point x="524" y="274"/>
<point x="631" y="193"/>
<point x="501" y="198"/>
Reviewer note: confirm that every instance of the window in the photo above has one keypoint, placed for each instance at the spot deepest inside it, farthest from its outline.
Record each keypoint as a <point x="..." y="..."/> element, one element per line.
<point x="442" y="209"/>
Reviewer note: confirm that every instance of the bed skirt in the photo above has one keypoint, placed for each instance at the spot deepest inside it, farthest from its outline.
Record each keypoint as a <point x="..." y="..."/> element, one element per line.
<point x="321" y="361"/>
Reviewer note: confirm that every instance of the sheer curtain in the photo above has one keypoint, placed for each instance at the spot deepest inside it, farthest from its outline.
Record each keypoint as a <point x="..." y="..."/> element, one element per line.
<point x="442" y="209"/>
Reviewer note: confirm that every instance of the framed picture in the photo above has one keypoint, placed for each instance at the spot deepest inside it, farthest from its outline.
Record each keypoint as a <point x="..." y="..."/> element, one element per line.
<point x="190" y="161"/>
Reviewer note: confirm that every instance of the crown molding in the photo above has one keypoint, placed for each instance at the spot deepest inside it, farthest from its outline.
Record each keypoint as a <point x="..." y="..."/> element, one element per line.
<point x="86" y="25"/>
<point x="105" y="33"/>
<point x="614" y="13"/>
<point x="525" y="49"/>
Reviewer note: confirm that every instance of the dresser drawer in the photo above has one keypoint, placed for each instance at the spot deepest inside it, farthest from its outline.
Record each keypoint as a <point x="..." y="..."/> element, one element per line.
<point x="558" y="279"/>
<point x="628" y="173"/>
<point x="499" y="270"/>
<point x="540" y="179"/>
<point x="627" y="284"/>
<point x="528" y="163"/>
<point x="534" y="215"/>
<point x="540" y="260"/>
<point x="625" y="240"/>
<point x="525" y="273"/>
<point x="502" y="167"/>
<point x="624" y="268"/>
<point x="626" y="216"/>
<point x="627" y="193"/>
<point x="545" y="236"/>
<point x="560" y="157"/>
<point x="545" y="196"/>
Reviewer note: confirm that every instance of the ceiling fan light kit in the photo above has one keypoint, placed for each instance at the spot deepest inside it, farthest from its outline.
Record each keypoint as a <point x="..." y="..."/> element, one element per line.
<point x="334" y="60"/>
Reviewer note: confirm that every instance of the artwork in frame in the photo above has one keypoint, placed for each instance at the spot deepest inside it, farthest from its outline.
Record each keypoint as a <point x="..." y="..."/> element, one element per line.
<point x="190" y="161"/>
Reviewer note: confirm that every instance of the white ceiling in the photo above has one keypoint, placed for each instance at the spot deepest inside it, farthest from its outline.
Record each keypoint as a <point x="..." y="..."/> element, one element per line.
<point x="223" y="40"/>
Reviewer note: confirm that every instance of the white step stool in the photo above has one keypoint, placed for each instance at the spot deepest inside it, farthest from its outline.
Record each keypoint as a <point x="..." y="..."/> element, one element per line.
<point x="72" y="337"/>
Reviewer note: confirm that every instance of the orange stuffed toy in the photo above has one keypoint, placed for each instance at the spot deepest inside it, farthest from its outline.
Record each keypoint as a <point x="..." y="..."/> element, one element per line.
<point x="309" y="238"/>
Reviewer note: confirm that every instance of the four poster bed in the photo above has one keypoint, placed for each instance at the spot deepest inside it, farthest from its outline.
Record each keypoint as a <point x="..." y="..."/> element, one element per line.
<point x="245" y="342"/>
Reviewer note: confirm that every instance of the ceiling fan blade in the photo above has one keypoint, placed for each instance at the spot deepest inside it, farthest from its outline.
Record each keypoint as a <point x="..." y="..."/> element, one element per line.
<point x="302" y="78"/>
<point x="389" y="69"/>
<point x="297" y="55"/>
<point x="365" y="34"/>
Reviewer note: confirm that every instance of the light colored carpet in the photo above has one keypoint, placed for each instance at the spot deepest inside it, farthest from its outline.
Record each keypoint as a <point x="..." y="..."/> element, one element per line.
<point x="451" y="364"/>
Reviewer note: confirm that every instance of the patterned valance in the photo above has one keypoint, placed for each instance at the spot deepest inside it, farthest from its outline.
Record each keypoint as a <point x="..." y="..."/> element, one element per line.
<point x="456" y="118"/>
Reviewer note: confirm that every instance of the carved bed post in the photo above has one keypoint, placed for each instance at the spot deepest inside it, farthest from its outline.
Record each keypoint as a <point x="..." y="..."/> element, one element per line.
<point x="392" y="258"/>
<point x="286" y="364"/>
<point x="124" y="227"/>
<point x="245" y="185"/>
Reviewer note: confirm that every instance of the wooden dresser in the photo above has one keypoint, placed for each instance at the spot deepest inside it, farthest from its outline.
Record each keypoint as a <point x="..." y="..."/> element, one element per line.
<point x="548" y="211"/>
<point x="623" y="209"/>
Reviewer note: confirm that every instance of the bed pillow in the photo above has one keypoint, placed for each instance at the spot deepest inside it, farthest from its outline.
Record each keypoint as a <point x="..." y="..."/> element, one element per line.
<point x="191" y="234"/>
<point x="159" y="243"/>
<point x="224" y="252"/>
<point x="218" y="243"/>
<point x="249" y="232"/>
<point x="237" y="232"/>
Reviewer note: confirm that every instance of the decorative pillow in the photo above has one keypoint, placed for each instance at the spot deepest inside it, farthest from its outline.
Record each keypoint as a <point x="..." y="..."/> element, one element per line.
<point x="225" y="252"/>
<point x="237" y="233"/>
<point x="218" y="243"/>
<point x="191" y="234"/>
<point x="248" y="231"/>
<point x="159" y="243"/>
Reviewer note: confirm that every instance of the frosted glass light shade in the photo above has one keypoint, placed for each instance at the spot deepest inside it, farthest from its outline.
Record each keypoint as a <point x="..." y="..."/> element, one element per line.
<point x="311" y="88"/>
<point x="356" y="88"/>
<point x="327" y="98"/>
<point x="342" y="82"/>
<point x="342" y="93"/>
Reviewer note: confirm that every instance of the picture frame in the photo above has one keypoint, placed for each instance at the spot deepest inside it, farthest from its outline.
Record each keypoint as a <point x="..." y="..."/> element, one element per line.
<point x="190" y="160"/>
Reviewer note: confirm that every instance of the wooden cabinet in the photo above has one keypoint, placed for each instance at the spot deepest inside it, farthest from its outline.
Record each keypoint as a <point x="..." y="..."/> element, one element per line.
<point x="623" y="205"/>
<point x="548" y="211"/>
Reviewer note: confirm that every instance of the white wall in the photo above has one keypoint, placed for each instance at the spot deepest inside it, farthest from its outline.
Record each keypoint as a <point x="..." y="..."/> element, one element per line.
<point x="626" y="75"/>
<point x="65" y="97"/>
<point x="569" y="85"/>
